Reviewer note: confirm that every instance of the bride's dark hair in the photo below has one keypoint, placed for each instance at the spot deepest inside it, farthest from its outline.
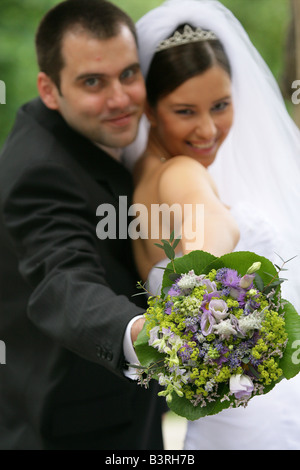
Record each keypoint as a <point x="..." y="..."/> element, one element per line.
<point x="172" y="67"/>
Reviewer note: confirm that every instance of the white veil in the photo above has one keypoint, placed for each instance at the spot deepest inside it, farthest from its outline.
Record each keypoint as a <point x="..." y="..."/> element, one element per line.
<point x="260" y="159"/>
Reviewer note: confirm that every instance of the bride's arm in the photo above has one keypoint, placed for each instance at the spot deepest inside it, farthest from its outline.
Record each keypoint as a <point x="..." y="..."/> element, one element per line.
<point x="206" y="223"/>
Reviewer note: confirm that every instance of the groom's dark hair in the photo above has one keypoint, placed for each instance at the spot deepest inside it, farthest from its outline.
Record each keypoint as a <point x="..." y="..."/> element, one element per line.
<point x="99" y="18"/>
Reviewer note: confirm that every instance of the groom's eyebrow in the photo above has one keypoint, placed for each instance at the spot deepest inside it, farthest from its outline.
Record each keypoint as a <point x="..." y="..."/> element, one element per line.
<point x="188" y="105"/>
<point x="135" y="65"/>
<point x="90" y="75"/>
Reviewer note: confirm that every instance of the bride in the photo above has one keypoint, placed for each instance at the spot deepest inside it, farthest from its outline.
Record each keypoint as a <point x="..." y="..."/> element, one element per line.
<point x="220" y="139"/>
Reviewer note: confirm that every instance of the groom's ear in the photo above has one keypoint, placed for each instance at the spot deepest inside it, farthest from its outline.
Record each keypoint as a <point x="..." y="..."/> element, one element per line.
<point x="48" y="91"/>
<point x="150" y="113"/>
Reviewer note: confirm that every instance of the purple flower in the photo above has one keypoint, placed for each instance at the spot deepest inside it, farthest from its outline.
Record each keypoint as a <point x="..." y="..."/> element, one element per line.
<point x="241" y="385"/>
<point x="236" y="325"/>
<point x="246" y="282"/>
<point x="220" y="274"/>
<point x="191" y="324"/>
<point x="234" y="360"/>
<point x="231" y="278"/>
<point x="238" y="294"/>
<point x="210" y="285"/>
<point x="185" y="352"/>
<point x="207" y="322"/>
<point x="218" y="308"/>
<point x="207" y="298"/>
<point x="241" y="298"/>
<point x="228" y="277"/>
<point x="168" y="307"/>
<point x="174" y="291"/>
<point x="250" y="306"/>
<point x="222" y="350"/>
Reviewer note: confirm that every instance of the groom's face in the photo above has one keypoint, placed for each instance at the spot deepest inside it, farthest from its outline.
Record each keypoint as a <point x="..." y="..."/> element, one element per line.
<point x="102" y="90"/>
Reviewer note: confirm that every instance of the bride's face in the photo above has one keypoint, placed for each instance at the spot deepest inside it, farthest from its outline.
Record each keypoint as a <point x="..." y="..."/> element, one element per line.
<point x="195" y="118"/>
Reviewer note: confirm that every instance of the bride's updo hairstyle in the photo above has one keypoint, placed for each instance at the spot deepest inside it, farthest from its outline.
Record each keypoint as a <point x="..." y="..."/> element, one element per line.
<point x="173" y="66"/>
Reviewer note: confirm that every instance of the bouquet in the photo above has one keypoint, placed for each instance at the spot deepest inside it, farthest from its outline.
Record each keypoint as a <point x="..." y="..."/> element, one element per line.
<point x="219" y="333"/>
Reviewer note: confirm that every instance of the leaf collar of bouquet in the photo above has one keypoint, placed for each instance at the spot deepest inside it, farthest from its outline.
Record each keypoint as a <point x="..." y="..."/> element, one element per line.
<point x="219" y="333"/>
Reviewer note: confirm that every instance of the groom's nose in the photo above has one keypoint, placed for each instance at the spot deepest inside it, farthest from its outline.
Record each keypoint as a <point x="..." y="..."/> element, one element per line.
<point x="117" y="96"/>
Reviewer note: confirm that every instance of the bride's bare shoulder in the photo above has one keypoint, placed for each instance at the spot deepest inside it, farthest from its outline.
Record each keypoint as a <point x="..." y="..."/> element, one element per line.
<point x="183" y="169"/>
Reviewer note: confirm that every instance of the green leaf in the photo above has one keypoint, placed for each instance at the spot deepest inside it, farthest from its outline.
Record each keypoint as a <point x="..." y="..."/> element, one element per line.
<point x="259" y="282"/>
<point x="185" y="408"/>
<point x="145" y="353"/>
<point x="197" y="260"/>
<point x="173" y="276"/>
<point x="254" y="371"/>
<point x="159" y="246"/>
<point x="169" y="251"/>
<point x="176" y="242"/>
<point x="290" y="362"/>
<point x="241" y="260"/>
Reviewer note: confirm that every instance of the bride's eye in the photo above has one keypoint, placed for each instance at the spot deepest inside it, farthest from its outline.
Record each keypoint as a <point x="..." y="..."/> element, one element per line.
<point x="221" y="106"/>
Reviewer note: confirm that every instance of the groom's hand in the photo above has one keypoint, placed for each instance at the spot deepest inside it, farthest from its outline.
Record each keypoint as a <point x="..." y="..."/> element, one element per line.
<point x="136" y="329"/>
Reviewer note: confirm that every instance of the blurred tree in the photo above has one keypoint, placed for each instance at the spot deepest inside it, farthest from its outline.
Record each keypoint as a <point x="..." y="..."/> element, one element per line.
<point x="266" y="23"/>
<point x="18" y="69"/>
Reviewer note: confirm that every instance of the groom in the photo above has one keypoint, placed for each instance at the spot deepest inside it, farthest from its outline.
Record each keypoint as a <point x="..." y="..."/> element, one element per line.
<point x="66" y="312"/>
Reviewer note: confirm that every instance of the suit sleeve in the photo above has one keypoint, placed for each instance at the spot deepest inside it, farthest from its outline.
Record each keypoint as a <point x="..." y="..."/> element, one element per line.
<point x="54" y="236"/>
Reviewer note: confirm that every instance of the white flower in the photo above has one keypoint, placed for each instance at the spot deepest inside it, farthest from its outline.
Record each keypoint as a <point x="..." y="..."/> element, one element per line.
<point x="172" y="384"/>
<point x="241" y="386"/>
<point x="211" y="286"/>
<point x="165" y="340"/>
<point x="218" y="308"/>
<point x="189" y="280"/>
<point x="251" y="322"/>
<point x="153" y="335"/>
<point x="253" y="292"/>
<point x="163" y="379"/>
<point x="160" y="343"/>
<point x="175" y="341"/>
<point x="246" y="281"/>
<point x="225" y="329"/>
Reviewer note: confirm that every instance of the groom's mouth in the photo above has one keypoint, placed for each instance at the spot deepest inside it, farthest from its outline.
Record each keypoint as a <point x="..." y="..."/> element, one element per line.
<point x="121" y="120"/>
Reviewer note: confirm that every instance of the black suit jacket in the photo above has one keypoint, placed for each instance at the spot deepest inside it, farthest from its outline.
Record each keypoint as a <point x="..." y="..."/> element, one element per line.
<point x="65" y="296"/>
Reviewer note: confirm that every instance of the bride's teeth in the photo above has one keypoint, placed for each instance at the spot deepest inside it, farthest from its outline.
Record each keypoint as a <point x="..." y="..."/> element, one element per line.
<point x="207" y="146"/>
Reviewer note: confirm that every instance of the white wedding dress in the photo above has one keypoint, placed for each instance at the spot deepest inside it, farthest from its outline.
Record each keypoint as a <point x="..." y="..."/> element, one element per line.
<point x="271" y="421"/>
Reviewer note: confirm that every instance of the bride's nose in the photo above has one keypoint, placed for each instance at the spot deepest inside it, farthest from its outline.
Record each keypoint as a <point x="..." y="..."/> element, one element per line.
<point x="206" y="127"/>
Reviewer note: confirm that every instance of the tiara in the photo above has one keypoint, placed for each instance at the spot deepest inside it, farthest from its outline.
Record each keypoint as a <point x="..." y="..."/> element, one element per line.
<point x="188" y="35"/>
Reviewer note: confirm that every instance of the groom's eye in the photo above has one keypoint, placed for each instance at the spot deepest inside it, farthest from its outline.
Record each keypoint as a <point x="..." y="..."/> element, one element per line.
<point x="92" y="82"/>
<point x="130" y="73"/>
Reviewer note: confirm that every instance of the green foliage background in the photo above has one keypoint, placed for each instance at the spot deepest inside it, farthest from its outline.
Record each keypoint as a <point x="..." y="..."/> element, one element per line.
<point x="265" y="21"/>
